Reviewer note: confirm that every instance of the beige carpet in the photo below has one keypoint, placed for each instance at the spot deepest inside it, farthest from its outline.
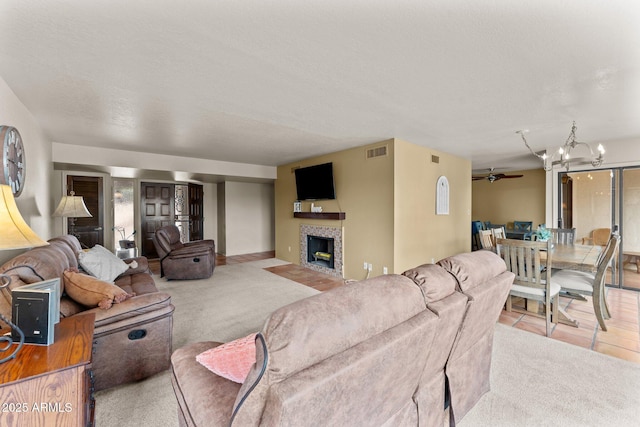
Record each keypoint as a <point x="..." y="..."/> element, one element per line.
<point x="234" y="302"/>
<point x="535" y="381"/>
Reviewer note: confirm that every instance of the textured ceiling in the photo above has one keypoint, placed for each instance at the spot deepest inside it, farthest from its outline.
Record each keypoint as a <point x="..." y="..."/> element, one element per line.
<point x="273" y="82"/>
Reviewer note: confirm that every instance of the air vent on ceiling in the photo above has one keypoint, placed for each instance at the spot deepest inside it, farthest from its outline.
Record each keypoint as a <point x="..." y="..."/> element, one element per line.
<point x="377" y="152"/>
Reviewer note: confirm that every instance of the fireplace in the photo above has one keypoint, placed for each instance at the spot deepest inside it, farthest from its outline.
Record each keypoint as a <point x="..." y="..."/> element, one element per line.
<point x="321" y="249"/>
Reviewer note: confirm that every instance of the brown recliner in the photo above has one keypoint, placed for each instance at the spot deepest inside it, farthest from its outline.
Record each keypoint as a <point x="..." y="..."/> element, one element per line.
<point x="181" y="261"/>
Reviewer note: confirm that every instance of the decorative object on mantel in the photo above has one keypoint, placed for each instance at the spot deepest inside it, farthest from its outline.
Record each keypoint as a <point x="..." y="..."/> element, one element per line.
<point x="565" y="152"/>
<point x="316" y="209"/>
<point x="297" y="206"/>
<point x="12" y="158"/>
<point x="72" y="207"/>
<point x="14" y="234"/>
<point x="442" y="196"/>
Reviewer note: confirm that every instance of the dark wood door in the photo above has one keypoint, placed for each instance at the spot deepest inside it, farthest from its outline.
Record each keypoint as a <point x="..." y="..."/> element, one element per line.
<point x="90" y="231"/>
<point x="196" y="218"/>
<point x="157" y="209"/>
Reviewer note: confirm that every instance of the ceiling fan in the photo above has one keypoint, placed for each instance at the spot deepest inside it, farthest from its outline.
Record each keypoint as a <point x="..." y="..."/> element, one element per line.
<point x="494" y="176"/>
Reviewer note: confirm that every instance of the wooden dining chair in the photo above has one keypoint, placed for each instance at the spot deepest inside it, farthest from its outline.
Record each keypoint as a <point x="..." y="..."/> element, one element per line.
<point x="498" y="233"/>
<point x="563" y="236"/>
<point x="532" y="281"/>
<point x="589" y="283"/>
<point x="486" y="240"/>
<point x="526" y="226"/>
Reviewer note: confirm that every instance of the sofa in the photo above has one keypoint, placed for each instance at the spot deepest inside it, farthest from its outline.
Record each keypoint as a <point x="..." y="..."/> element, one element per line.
<point x="410" y="349"/>
<point x="132" y="339"/>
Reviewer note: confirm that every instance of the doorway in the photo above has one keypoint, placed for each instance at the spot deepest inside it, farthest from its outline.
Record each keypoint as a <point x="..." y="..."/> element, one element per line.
<point x="167" y="203"/>
<point x="89" y="231"/>
<point x="608" y="198"/>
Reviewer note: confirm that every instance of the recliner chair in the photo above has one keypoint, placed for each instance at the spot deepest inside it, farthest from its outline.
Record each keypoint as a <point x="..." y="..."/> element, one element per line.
<point x="181" y="261"/>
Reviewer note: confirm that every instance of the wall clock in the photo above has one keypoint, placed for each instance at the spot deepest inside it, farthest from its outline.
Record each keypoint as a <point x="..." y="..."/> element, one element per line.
<point x="13" y="159"/>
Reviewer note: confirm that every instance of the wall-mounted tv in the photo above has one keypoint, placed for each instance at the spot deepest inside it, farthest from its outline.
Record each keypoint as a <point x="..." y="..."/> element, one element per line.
<point x="315" y="182"/>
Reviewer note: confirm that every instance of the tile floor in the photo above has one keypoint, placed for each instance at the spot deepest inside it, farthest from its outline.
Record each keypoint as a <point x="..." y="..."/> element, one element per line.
<point x="622" y="339"/>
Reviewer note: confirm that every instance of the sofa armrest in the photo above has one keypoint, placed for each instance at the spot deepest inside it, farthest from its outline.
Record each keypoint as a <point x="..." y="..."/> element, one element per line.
<point x="143" y="266"/>
<point x="132" y="307"/>
<point x="208" y="243"/>
<point x="190" y="252"/>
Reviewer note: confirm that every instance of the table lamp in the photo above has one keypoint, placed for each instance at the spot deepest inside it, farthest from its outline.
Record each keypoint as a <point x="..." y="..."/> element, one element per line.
<point x="14" y="234"/>
<point x="72" y="207"/>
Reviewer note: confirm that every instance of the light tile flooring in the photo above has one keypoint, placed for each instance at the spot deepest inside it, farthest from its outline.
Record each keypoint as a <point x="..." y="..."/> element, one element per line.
<point x="622" y="339"/>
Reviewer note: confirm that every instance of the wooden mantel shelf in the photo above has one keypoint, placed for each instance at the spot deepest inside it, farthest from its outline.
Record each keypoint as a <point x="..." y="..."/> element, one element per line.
<point x="320" y="215"/>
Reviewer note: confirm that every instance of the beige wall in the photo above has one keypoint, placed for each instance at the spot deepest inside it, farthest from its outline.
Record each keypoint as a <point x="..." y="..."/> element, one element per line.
<point x="389" y="203"/>
<point x="35" y="201"/>
<point x="364" y="190"/>
<point x="248" y="218"/>
<point x="420" y="235"/>
<point x="508" y="200"/>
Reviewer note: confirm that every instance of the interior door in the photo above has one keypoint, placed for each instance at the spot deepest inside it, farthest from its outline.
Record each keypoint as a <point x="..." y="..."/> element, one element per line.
<point x="196" y="218"/>
<point x="90" y="231"/>
<point x="157" y="210"/>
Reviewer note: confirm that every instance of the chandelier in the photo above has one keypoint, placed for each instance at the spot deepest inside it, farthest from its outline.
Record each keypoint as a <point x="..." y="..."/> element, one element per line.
<point x="564" y="152"/>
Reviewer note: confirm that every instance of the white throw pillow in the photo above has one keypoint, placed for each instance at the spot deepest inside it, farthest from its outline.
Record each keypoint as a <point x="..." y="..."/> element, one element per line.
<point x="101" y="263"/>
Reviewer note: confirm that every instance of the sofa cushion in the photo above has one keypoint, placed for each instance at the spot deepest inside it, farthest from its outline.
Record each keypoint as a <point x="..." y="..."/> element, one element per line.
<point x="101" y="263"/>
<point x="434" y="281"/>
<point x="232" y="360"/>
<point x="91" y="291"/>
<point x="473" y="268"/>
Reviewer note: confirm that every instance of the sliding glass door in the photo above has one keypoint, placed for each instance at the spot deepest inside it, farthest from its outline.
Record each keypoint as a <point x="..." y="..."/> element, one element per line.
<point x="594" y="202"/>
<point x="630" y="228"/>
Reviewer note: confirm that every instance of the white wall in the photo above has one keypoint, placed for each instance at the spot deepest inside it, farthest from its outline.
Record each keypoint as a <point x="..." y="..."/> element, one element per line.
<point x="249" y="217"/>
<point x="34" y="202"/>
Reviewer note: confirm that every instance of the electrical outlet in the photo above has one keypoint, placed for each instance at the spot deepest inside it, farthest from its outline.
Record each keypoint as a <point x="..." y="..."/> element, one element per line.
<point x="369" y="267"/>
<point x="433" y="260"/>
<point x="289" y="248"/>
<point x="366" y="266"/>
<point x="385" y="270"/>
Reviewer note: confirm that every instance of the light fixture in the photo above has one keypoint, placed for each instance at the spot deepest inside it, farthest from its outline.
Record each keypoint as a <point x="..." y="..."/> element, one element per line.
<point x="564" y="152"/>
<point x="72" y="207"/>
<point x="14" y="234"/>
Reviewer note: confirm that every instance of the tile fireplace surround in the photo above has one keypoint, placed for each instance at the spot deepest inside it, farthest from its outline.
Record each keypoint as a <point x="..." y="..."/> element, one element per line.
<point x="334" y="233"/>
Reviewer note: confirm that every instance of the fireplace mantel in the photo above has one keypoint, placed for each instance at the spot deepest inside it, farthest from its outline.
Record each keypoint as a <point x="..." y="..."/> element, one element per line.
<point x="320" y="215"/>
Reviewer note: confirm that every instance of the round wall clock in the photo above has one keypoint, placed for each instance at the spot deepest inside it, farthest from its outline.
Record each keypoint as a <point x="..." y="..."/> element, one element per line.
<point x="13" y="159"/>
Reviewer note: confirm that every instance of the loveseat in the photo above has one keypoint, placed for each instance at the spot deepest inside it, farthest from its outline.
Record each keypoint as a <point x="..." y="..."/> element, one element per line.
<point x="396" y="350"/>
<point x="132" y="339"/>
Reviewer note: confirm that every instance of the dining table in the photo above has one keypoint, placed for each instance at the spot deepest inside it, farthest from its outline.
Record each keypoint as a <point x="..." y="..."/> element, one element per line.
<point x="573" y="257"/>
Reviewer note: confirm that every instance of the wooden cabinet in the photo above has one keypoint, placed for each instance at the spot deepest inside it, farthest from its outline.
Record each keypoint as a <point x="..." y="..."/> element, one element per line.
<point x="51" y="385"/>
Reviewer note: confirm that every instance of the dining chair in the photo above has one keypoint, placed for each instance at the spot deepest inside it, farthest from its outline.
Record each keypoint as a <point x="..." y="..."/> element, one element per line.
<point x="563" y="236"/>
<point x="475" y="239"/>
<point x="532" y="281"/>
<point x="498" y="233"/>
<point x="486" y="240"/>
<point x="591" y="283"/>
<point x="526" y="226"/>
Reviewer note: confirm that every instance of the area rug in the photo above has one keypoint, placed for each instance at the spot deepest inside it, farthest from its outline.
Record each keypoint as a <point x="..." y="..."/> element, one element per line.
<point x="535" y="381"/>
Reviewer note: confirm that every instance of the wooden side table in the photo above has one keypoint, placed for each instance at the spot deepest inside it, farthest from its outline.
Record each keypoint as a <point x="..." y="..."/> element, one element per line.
<point x="51" y="385"/>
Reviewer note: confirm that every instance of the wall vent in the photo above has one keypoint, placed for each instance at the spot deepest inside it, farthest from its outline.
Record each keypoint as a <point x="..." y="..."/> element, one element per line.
<point x="377" y="152"/>
<point x="435" y="159"/>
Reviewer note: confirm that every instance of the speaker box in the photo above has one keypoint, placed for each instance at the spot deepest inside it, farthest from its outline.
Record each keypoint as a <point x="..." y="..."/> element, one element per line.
<point x="36" y="310"/>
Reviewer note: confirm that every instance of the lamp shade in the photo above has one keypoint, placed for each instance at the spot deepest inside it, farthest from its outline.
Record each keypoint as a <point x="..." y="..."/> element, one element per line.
<point x="14" y="231"/>
<point x="72" y="206"/>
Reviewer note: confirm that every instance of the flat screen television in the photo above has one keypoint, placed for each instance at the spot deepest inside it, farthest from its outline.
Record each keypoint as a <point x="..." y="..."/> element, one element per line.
<point x="315" y="182"/>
